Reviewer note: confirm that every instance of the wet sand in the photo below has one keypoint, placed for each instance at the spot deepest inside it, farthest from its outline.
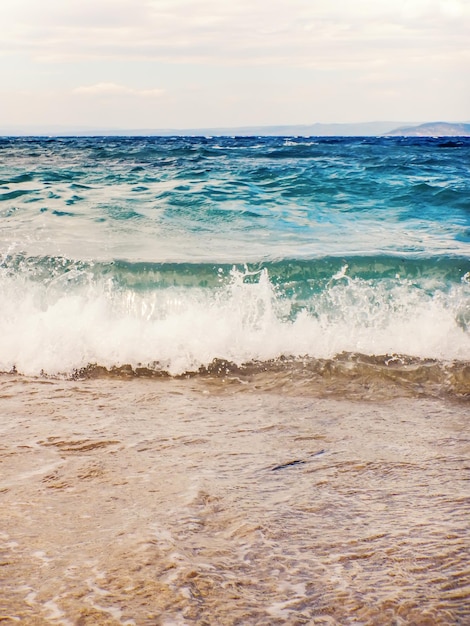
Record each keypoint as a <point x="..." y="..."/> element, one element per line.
<point x="192" y="502"/>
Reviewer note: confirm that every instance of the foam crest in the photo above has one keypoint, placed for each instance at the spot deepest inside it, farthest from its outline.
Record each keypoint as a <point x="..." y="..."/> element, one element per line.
<point x="64" y="325"/>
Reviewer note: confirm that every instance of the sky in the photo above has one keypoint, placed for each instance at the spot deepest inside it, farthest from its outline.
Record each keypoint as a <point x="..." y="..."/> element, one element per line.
<point x="211" y="63"/>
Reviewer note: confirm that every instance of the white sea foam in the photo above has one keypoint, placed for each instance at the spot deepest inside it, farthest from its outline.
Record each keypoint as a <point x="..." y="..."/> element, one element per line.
<point x="56" y="330"/>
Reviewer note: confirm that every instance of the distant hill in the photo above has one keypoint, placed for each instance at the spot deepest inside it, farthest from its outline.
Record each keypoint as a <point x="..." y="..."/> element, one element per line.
<point x="366" y="129"/>
<point x="363" y="129"/>
<point x="432" y="129"/>
<point x="298" y="130"/>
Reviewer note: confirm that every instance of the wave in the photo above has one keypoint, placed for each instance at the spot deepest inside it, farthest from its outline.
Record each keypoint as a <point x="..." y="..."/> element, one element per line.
<point x="60" y="316"/>
<point x="186" y="199"/>
<point x="350" y="375"/>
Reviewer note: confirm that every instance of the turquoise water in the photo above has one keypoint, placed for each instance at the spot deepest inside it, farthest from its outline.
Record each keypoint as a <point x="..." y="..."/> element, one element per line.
<point x="168" y="253"/>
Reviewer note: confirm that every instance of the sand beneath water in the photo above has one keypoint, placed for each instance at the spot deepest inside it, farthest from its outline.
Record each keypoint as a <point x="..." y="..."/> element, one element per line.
<point x="188" y="502"/>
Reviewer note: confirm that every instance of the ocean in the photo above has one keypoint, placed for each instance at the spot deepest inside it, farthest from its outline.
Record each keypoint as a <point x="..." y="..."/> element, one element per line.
<point x="234" y="383"/>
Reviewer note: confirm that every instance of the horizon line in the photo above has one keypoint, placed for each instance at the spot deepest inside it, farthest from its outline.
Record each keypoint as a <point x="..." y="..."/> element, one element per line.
<point x="325" y="129"/>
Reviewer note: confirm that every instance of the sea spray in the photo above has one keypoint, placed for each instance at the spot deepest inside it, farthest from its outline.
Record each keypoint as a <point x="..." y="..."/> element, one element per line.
<point x="82" y="314"/>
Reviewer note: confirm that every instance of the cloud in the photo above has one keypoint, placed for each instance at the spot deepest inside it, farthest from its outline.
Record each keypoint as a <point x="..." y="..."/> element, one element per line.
<point x="113" y="89"/>
<point x="223" y="32"/>
<point x="252" y="61"/>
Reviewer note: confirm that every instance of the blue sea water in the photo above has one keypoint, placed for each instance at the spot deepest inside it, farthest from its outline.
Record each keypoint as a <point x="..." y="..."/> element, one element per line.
<point x="170" y="254"/>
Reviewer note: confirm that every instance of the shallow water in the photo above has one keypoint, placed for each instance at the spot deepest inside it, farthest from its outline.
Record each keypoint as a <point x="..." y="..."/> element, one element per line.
<point x="212" y="500"/>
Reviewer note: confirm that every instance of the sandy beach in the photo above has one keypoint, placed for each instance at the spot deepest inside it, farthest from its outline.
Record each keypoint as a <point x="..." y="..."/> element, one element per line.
<point x="215" y="502"/>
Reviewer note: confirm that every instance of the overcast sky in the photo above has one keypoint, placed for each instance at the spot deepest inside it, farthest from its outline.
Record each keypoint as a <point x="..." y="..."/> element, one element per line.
<point x="207" y="63"/>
